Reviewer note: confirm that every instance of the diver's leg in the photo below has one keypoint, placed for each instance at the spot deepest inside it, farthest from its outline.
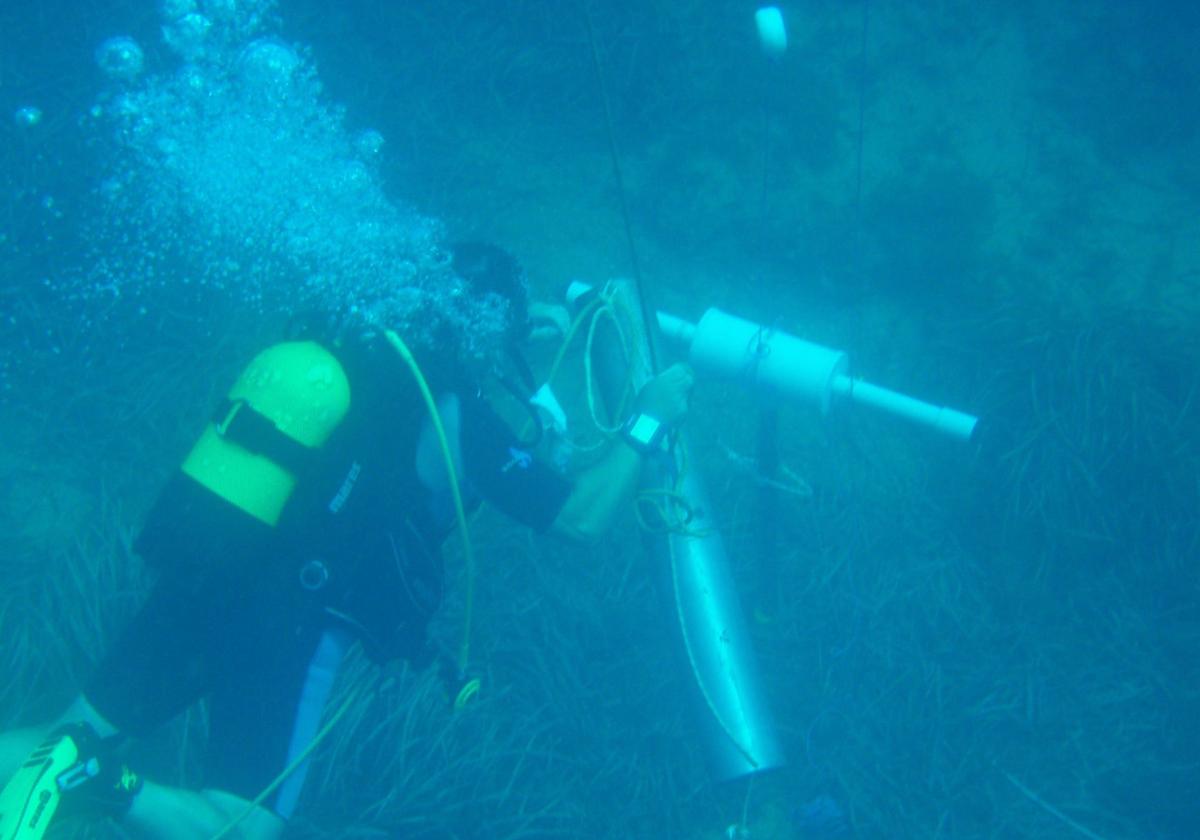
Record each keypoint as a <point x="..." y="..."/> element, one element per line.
<point x="161" y="811"/>
<point x="15" y="747"/>
<point x="169" y="813"/>
<point x="263" y="725"/>
<point x="17" y="744"/>
<point x="40" y="762"/>
<point x="257" y="729"/>
<point x="156" y="811"/>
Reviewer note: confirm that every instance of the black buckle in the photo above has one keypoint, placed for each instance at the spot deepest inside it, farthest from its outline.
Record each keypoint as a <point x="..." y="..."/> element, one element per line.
<point x="225" y="414"/>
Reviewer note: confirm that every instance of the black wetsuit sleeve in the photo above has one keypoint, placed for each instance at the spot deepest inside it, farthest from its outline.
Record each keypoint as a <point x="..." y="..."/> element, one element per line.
<point x="507" y="476"/>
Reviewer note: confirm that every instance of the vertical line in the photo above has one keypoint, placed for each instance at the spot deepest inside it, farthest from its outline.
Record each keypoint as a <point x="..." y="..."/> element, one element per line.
<point x="862" y="95"/>
<point x="651" y="323"/>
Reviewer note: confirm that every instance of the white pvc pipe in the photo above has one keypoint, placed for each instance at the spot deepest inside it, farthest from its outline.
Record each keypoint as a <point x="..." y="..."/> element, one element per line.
<point x="944" y="420"/>
<point x="725" y="345"/>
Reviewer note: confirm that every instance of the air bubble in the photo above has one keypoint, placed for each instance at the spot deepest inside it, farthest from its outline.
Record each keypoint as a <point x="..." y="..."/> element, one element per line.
<point x="269" y="65"/>
<point x="121" y="58"/>
<point x="28" y="116"/>
<point x="187" y="35"/>
<point x="173" y="10"/>
<point x="237" y="166"/>
<point x="369" y="143"/>
<point x="356" y="177"/>
<point x="221" y="9"/>
<point x="192" y="78"/>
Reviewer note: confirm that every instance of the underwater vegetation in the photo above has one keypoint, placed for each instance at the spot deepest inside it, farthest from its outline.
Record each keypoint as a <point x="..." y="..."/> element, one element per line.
<point x="1132" y="77"/>
<point x="930" y="230"/>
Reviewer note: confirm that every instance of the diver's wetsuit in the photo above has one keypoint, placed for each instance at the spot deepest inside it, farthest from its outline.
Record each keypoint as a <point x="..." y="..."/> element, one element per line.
<point x="257" y="618"/>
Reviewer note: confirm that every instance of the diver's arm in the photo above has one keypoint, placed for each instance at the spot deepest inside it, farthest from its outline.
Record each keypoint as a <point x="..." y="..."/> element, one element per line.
<point x="598" y="494"/>
<point x="173" y="813"/>
<point x="602" y="490"/>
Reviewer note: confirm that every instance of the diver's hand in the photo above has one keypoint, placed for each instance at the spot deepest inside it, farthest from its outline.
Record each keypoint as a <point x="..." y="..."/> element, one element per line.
<point x="548" y="321"/>
<point x="666" y="396"/>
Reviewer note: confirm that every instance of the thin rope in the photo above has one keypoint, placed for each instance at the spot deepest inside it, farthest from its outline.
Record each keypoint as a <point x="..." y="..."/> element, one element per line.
<point x="598" y="67"/>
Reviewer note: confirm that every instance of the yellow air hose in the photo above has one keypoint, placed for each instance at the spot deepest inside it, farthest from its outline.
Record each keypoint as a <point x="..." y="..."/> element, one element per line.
<point x="289" y="770"/>
<point x="464" y="647"/>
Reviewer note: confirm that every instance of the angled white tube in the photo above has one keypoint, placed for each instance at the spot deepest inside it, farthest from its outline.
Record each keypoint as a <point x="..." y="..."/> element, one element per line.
<point x="944" y="420"/>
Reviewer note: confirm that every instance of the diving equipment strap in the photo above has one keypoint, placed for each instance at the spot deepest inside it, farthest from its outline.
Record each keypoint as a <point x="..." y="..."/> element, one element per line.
<point x="239" y="422"/>
<point x="644" y="433"/>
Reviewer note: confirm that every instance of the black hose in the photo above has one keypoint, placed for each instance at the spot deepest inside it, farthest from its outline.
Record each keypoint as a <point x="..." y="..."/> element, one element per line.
<point x="651" y="323"/>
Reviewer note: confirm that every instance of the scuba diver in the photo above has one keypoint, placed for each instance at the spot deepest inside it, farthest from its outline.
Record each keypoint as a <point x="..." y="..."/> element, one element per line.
<point x="308" y="516"/>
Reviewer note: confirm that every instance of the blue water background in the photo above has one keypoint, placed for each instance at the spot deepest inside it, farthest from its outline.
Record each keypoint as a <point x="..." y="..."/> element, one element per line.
<point x="987" y="205"/>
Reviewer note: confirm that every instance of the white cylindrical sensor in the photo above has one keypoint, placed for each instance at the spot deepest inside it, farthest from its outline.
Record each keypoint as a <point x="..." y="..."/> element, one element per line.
<point x="726" y="345"/>
<point x="772" y="33"/>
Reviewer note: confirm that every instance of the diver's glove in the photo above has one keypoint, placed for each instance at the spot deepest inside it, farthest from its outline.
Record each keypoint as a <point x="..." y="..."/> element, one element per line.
<point x="97" y="783"/>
